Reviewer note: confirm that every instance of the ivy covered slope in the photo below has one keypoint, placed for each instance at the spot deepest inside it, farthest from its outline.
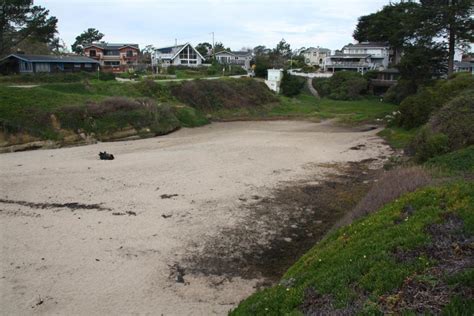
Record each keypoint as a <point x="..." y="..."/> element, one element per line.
<point x="419" y="244"/>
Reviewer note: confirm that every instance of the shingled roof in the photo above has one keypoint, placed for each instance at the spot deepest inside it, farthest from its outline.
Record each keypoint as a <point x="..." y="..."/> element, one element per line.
<point x="111" y="46"/>
<point x="53" y="58"/>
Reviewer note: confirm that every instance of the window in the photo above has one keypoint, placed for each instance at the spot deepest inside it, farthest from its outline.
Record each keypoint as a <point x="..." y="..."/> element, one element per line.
<point x="129" y="53"/>
<point x="112" y="63"/>
<point x="92" y="53"/>
<point x="112" y="53"/>
<point x="88" y="65"/>
<point x="43" y="67"/>
<point x="77" y="65"/>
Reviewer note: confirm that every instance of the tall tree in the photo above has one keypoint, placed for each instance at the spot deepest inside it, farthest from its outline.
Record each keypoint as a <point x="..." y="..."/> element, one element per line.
<point x="146" y="53"/>
<point x="452" y="21"/>
<point x="20" y="20"/>
<point x="204" y="48"/>
<point x="219" y="47"/>
<point x="88" y="36"/>
<point x="396" y="24"/>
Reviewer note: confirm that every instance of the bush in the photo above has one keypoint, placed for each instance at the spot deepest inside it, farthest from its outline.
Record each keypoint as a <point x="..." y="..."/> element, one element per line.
<point x="151" y="89"/>
<point x="291" y="85"/>
<point x="456" y="120"/>
<point x="416" y="109"/>
<point x="208" y="95"/>
<point x="322" y="86"/>
<point x="397" y="93"/>
<point x="449" y="129"/>
<point x="428" y="144"/>
<point x="347" y="85"/>
<point x="343" y="85"/>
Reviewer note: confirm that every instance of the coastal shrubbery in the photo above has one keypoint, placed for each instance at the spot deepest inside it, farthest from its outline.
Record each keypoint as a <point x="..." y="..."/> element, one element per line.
<point x="291" y="85"/>
<point x="222" y="94"/>
<point x="343" y="85"/>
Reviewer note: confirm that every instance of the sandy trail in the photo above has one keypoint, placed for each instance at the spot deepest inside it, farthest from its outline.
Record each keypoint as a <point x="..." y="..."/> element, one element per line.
<point x="58" y="257"/>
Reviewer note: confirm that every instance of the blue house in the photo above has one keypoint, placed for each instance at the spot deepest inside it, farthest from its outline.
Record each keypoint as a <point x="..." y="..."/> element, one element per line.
<point x="19" y="63"/>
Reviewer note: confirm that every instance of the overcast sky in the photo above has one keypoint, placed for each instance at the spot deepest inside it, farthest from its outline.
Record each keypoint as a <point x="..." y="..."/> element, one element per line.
<point x="236" y="23"/>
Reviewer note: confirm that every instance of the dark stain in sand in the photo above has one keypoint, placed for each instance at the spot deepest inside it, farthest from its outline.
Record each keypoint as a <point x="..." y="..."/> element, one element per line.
<point x="72" y="206"/>
<point x="292" y="220"/>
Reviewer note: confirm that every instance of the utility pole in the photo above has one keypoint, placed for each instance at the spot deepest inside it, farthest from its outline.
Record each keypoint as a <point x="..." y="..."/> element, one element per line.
<point x="213" y="50"/>
<point x="175" y="42"/>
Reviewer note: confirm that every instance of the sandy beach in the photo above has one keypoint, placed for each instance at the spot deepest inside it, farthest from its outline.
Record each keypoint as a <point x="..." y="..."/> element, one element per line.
<point x="88" y="237"/>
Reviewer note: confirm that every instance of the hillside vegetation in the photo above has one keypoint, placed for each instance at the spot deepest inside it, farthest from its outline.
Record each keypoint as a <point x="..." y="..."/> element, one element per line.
<point x="418" y="244"/>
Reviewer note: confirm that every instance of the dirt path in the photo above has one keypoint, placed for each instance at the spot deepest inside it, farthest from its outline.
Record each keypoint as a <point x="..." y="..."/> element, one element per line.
<point x="175" y="225"/>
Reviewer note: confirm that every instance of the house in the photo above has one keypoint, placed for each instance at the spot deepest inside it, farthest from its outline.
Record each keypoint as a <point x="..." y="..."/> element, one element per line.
<point x="360" y="57"/>
<point x="383" y="79"/>
<point x="20" y="63"/>
<point x="464" y="66"/>
<point x="316" y="56"/>
<point x="113" y="57"/>
<point x="274" y="77"/>
<point x="184" y="55"/>
<point x="234" y="58"/>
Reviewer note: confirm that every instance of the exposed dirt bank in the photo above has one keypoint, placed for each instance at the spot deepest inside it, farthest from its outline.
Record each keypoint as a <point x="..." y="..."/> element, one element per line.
<point x="188" y="223"/>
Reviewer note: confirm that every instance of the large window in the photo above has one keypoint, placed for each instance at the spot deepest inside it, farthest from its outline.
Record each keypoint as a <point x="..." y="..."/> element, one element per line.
<point x="188" y="54"/>
<point x="92" y="53"/>
<point x="129" y="53"/>
<point x="112" y="53"/>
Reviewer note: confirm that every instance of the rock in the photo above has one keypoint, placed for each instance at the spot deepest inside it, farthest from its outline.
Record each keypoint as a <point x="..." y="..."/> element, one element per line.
<point x="287" y="239"/>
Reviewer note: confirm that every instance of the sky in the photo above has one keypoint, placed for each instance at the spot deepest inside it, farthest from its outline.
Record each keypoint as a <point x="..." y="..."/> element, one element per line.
<point x="236" y="23"/>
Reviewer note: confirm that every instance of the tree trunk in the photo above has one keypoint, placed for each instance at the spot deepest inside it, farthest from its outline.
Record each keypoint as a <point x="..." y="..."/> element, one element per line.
<point x="451" y="48"/>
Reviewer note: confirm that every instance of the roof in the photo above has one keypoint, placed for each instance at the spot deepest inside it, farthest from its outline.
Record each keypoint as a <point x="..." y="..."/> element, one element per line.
<point x="368" y="45"/>
<point x="350" y="56"/>
<point x="237" y="53"/>
<point x="169" y="50"/>
<point x="319" y="49"/>
<point x="462" y="64"/>
<point x="53" y="58"/>
<point x="175" y="50"/>
<point x="104" y="45"/>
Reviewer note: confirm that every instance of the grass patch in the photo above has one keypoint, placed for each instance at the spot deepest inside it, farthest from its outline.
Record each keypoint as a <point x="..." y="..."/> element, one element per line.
<point x="398" y="137"/>
<point x="457" y="162"/>
<point x="350" y="112"/>
<point x="355" y="266"/>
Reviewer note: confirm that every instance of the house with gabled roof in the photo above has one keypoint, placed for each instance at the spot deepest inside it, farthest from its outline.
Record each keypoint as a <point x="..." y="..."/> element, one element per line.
<point x="316" y="56"/>
<point x="22" y="64"/>
<point x="360" y="57"/>
<point x="241" y="58"/>
<point x="178" y="55"/>
<point x="112" y="56"/>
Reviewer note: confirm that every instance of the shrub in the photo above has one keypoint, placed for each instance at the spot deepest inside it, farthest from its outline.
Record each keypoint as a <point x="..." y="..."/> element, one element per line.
<point x="347" y="85"/>
<point x="291" y="85"/>
<point x="151" y="89"/>
<point x="211" y="95"/>
<point x="449" y="129"/>
<point x="456" y="120"/>
<point x="416" y="109"/>
<point x="397" y="93"/>
<point x="322" y="86"/>
<point x="428" y="144"/>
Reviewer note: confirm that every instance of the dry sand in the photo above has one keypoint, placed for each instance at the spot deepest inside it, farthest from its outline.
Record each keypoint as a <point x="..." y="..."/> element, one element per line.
<point x="58" y="257"/>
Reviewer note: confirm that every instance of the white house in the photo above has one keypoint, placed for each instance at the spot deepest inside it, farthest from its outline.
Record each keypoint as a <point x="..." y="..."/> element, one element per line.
<point x="316" y="56"/>
<point x="184" y="55"/>
<point x="234" y="58"/>
<point x="273" y="81"/>
<point x="360" y="57"/>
